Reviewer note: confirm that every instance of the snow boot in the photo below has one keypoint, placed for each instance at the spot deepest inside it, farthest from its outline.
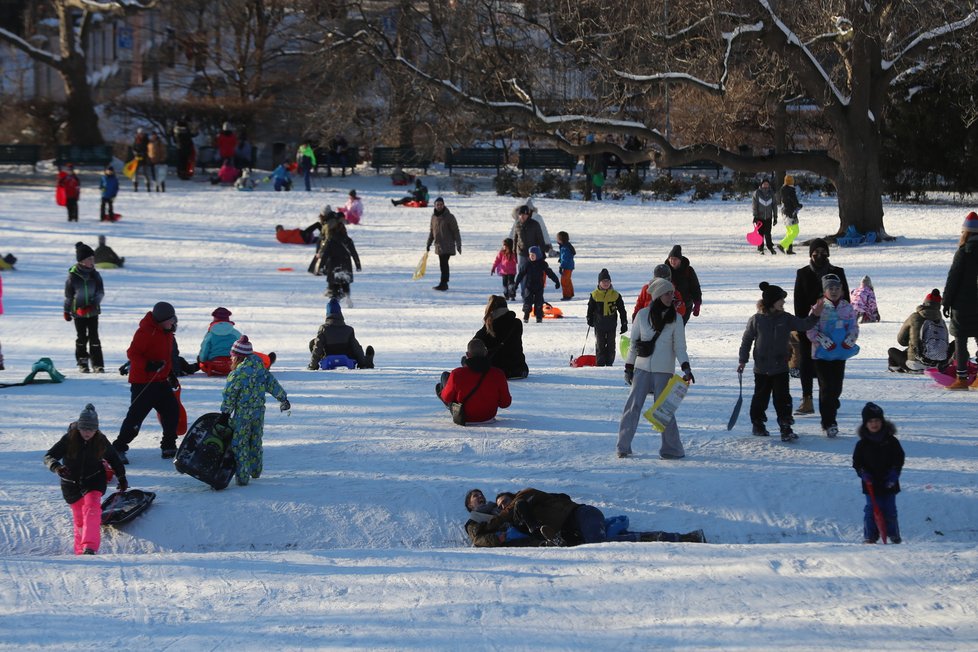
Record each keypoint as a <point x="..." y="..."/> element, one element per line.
<point x="135" y="187"/>
<point x="696" y="536"/>
<point x="959" y="384"/>
<point x="760" y="250"/>
<point x="832" y="431"/>
<point x="759" y="430"/>
<point x="163" y="186"/>
<point x="88" y="551"/>
<point x="83" y="365"/>
<point x="773" y="252"/>
<point x="806" y="407"/>
<point x="787" y="434"/>
<point x="791" y="250"/>
<point x="369" y="355"/>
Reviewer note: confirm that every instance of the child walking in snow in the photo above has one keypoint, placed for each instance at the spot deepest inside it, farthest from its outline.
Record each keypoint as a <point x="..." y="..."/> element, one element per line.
<point x="878" y="460"/>
<point x="566" y="265"/>
<point x="769" y="330"/>
<point x="77" y="459"/>
<point x="83" y="300"/>
<point x="68" y="191"/>
<point x="605" y="308"/>
<point x="534" y="273"/>
<point x="108" y="183"/>
<point x="863" y="300"/>
<point x="833" y="342"/>
<point x="243" y="407"/>
<point x="505" y="266"/>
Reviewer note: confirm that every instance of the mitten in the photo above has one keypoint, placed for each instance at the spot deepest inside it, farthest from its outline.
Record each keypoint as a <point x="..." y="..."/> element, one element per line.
<point x="428" y="248"/>
<point x="629" y="373"/>
<point x="696" y="309"/>
<point x="624" y="328"/>
<point x="63" y="472"/>
<point x="824" y="341"/>
<point x="155" y="365"/>
<point x="892" y="476"/>
<point x="67" y="316"/>
<point x="946" y="311"/>
<point x="741" y="367"/>
<point x="492" y="272"/>
<point x="556" y="285"/>
<point x="460" y="249"/>
<point x="359" y="269"/>
<point x="849" y="342"/>
<point x="285" y="405"/>
<point x="123" y="483"/>
<point x="688" y="375"/>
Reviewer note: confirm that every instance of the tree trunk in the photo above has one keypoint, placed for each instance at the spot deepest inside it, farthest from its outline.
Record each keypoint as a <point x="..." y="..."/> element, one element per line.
<point x="859" y="184"/>
<point x="82" y="125"/>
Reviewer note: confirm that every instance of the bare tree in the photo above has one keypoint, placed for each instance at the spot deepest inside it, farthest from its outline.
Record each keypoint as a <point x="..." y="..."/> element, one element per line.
<point x="693" y="80"/>
<point x="71" y="61"/>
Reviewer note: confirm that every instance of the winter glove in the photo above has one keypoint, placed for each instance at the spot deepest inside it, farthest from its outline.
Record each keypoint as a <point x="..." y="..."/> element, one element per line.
<point x="688" y="374"/>
<point x="225" y="419"/>
<point x="892" y="477"/>
<point x="285" y="405"/>
<point x="172" y="380"/>
<point x="741" y="367"/>
<point x="428" y="248"/>
<point x="67" y="316"/>
<point x="460" y="250"/>
<point x="849" y="342"/>
<point x="556" y="285"/>
<point x="63" y="472"/>
<point x="946" y="311"/>
<point x="155" y="365"/>
<point x="492" y="272"/>
<point x="824" y="341"/>
<point x="123" y="484"/>
<point x="359" y="269"/>
<point x="624" y="328"/>
<point x="629" y="373"/>
<point x="696" y="309"/>
<point x="866" y="477"/>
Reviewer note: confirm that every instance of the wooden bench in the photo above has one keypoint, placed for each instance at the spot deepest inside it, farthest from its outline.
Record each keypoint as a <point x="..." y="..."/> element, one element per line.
<point x="475" y="157"/>
<point x="389" y="157"/>
<point x="84" y="155"/>
<point x="698" y="165"/>
<point x="330" y="159"/>
<point x="546" y="159"/>
<point x="20" y="154"/>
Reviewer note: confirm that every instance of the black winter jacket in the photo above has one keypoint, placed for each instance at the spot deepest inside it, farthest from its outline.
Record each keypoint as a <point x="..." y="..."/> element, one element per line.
<point x="879" y="458"/>
<point x="808" y="287"/>
<point x="87" y="473"/>
<point x="83" y="289"/>
<point x="336" y="338"/>
<point x="529" y="234"/>
<point x="506" y="345"/>
<point x="688" y="284"/>
<point x="961" y="290"/>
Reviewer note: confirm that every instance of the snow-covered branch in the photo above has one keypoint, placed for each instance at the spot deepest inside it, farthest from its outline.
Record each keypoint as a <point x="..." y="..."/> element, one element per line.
<point x="931" y="38"/>
<point x="35" y="53"/>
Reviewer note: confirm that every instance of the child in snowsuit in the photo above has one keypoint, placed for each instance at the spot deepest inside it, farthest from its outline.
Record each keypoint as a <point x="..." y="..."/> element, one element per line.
<point x="77" y="459"/>
<point x="789" y="209"/>
<point x="505" y="266"/>
<point x="769" y="331"/>
<point x="108" y="183"/>
<point x="602" y="307"/>
<point x="83" y="298"/>
<point x="863" y="300"/>
<point x="352" y="210"/>
<point x="878" y="460"/>
<point x="105" y="256"/>
<point x="534" y="273"/>
<point x="281" y="178"/>
<point x="565" y="263"/>
<point x="833" y="342"/>
<point x="69" y="187"/>
<point x="243" y="407"/>
<point x="335" y="337"/>
<point x="221" y="336"/>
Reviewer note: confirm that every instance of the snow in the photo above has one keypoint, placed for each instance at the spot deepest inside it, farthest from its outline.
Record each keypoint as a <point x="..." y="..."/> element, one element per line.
<point x="353" y="535"/>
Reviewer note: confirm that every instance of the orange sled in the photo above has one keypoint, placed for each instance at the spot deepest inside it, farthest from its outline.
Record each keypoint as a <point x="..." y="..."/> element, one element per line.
<point x="549" y="312"/>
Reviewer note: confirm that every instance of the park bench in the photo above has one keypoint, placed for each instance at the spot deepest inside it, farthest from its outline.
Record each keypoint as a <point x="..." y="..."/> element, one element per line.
<point x="389" y="157"/>
<point x="698" y="165"/>
<point x="545" y="159"/>
<point x="330" y="159"/>
<point x="474" y="157"/>
<point x="20" y="155"/>
<point x="100" y="155"/>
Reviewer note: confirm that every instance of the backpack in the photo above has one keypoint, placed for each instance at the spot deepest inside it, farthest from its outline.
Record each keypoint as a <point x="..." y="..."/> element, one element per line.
<point x="933" y="341"/>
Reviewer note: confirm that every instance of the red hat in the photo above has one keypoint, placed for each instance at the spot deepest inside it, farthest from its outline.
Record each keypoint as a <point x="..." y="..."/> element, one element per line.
<point x="970" y="223"/>
<point x="934" y="298"/>
<point x="221" y="314"/>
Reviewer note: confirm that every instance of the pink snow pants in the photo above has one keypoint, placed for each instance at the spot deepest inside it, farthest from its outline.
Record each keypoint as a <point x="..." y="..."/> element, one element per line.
<point x="88" y="521"/>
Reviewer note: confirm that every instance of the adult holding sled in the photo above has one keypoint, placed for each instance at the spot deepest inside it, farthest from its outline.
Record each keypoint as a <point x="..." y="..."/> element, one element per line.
<point x="243" y="407"/>
<point x="789" y="210"/>
<point x="150" y="364"/>
<point x="443" y="233"/>
<point x="808" y="290"/>
<point x="77" y="458"/>
<point x="502" y="333"/>
<point x="765" y="211"/>
<point x="658" y="340"/>
<point x="961" y="298"/>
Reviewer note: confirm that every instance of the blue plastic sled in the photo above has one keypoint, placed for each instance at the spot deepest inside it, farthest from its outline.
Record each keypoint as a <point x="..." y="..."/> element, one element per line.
<point x="336" y="361"/>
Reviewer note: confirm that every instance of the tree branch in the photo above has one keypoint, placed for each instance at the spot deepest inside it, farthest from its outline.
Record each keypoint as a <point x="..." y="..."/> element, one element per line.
<point x="37" y="54"/>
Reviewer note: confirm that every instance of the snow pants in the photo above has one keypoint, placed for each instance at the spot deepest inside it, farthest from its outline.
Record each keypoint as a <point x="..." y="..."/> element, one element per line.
<point x="106" y="211"/>
<point x="764" y="386"/>
<point x="644" y="382"/>
<point x="443" y="260"/>
<point x="765" y="230"/>
<point x="145" y="397"/>
<point x="87" y="514"/>
<point x="88" y="346"/>
<point x="831" y="374"/>
<point x="72" y="205"/>
<point x="806" y="366"/>
<point x="247" y="448"/>
<point x="533" y="300"/>
<point x="961" y="355"/>
<point x="790" y="233"/>
<point x="887" y="504"/>
<point x="566" y="284"/>
<point x="509" y="288"/>
<point x="604" y="346"/>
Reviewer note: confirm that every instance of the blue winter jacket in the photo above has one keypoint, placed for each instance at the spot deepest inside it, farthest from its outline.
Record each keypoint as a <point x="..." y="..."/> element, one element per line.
<point x="218" y="341"/>
<point x="109" y="185"/>
<point x="567" y="253"/>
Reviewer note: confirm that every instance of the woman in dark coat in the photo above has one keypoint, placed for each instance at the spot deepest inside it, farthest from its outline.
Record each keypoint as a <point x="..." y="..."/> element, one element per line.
<point x="336" y="258"/>
<point x="961" y="298"/>
<point x="503" y="336"/>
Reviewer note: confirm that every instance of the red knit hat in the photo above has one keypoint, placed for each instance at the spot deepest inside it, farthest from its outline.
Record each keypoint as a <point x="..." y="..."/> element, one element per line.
<point x="934" y="298"/>
<point x="221" y="314"/>
<point x="242" y="347"/>
<point x="970" y="223"/>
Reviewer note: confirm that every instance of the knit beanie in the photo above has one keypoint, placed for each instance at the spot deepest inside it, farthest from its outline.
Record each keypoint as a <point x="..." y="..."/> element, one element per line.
<point x="658" y="287"/>
<point x="815" y="244"/>
<point x="88" y="419"/>
<point x="439" y="199"/>
<point x="163" y="311"/>
<point x="933" y="299"/>
<point x="771" y="294"/>
<point x="970" y="223"/>
<point x="83" y="251"/>
<point x="872" y="411"/>
<point x="536" y="251"/>
<point x="221" y="314"/>
<point x="789" y="180"/>
<point x="603" y="275"/>
<point x="830" y="280"/>
<point x="242" y="347"/>
<point x="662" y="271"/>
<point x="333" y="309"/>
<point x="523" y="210"/>
<point x="676" y="251"/>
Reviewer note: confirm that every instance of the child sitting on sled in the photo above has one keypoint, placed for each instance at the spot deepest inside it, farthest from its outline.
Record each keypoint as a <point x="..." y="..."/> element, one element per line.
<point x="215" y="349"/>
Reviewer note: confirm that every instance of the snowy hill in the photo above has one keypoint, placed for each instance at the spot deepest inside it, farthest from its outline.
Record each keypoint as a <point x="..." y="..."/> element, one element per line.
<point x="353" y="535"/>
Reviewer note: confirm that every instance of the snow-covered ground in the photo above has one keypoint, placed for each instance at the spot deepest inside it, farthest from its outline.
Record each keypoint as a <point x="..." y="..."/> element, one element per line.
<point x="353" y="536"/>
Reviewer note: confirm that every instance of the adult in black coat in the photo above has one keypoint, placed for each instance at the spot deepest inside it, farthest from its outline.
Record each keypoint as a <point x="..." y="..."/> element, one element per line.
<point x="808" y="289"/>
<point x="502" y="333"/>
<point x="335" y="337"/>
<point x="336" y="258"/>
<point x="686" y="281"/>
<point x="961" y="298"/>
<point x="528" y="234"/>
